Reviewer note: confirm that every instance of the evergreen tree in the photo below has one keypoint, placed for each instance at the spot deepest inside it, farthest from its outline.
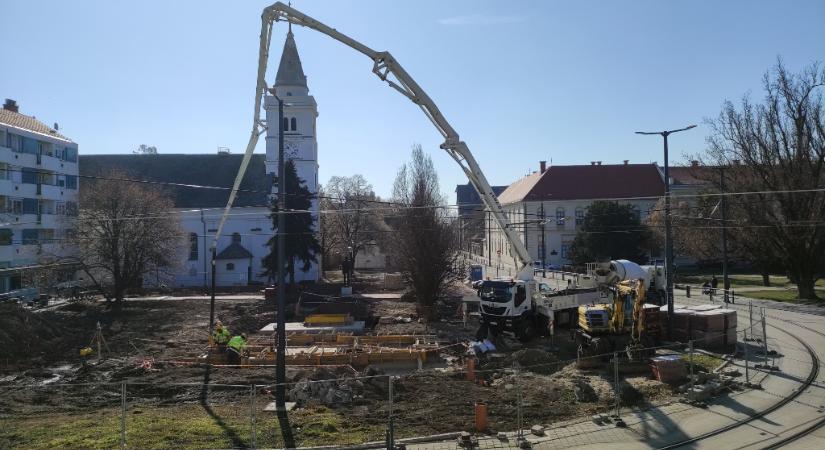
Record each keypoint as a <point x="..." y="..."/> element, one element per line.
<point x="611" y="231"/>
<point x="301" y="243"/>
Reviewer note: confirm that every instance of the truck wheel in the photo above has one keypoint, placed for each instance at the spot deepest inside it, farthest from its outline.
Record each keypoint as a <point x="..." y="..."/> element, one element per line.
<point x="526" y="333"/>
<point x="482" y="332"/>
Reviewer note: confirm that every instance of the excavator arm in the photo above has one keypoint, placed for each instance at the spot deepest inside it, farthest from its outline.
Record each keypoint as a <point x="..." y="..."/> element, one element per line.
<point x="389" y="70"/>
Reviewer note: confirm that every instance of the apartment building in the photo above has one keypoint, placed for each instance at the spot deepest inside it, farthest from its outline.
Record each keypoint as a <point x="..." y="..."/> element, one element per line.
<point x="38" y="192"/>
<point x="548" y="207"/>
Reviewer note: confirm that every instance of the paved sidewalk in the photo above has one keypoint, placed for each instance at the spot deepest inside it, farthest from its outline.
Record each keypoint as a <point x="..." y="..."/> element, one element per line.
<point x="814" y="308"/>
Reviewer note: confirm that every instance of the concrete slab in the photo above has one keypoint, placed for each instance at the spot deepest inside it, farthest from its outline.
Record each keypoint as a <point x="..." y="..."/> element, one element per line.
<point x="272" y="407"/>
<point x="355" y="327"/>
<point x="380" y="296"/>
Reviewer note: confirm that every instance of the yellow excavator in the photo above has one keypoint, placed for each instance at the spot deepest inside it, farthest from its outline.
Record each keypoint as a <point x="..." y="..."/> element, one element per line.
<point x="622" y="325"/>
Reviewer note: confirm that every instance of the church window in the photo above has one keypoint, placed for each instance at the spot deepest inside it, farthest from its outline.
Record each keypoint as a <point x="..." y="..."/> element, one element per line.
<point x="230" y="266"/>
<point x="193" y="247"/>
<point x="286" y="124"/>
<point x="236" y="237"/>
<point x="294" y="124"/>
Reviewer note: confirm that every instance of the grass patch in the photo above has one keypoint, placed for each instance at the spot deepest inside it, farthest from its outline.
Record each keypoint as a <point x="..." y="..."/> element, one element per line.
<point x="739" y="279"/>
<point x="184" y="427"/>
<point x="707" y="362"/>
<point x="776" y="295"/>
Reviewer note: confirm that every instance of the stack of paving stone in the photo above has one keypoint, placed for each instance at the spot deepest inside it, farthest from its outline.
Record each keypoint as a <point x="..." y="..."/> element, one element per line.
<point x="653" y="321"/>
<point x="714" y="329"/>
<point x="668" y="368"/>
<point x="681" y="324"/>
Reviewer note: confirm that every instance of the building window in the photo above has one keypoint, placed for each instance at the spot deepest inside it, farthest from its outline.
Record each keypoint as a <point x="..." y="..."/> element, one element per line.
<point x="565" y="250"/>
<point x="60" y="208"/>
<point x="230" y="266"/>
<point x="29" y="176"/>
<point x="46" y="148"/>
<point x="15" y="142"/>
<point x="71" y="181"/>
<point x="31" y="146"/>
<point x="71" y="154"/>
<point x="4" y="171"/>
<point x="16" y="206"/>
<point x="193" y="246"/>
<point x="5" y="236"/>
<point x="30" y="237"/>
<point x="579" y="216"/>
<point x="560" y="216"/>
<point x="236" y="237"/>
<point x="31" y="206"/>
<point x="293" y="124"/>
<point x="286" y="124"/>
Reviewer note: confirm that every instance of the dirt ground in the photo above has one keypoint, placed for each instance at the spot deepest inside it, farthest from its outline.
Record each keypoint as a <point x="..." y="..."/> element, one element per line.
<point x="41" y="371"/>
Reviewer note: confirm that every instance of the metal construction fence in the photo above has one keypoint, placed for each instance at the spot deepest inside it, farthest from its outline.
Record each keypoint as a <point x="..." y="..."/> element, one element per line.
<point x="331" y="408"/>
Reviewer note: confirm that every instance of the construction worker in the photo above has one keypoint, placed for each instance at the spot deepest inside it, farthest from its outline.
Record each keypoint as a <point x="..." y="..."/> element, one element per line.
<point x="220" y="336"/>
<point x="235" y="348"/>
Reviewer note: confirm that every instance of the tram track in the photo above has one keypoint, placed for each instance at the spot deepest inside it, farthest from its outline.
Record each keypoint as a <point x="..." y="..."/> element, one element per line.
<point x="812" y="376"/>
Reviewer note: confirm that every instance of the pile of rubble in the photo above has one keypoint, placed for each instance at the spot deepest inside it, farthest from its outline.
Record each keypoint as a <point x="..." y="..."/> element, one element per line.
<point x="336" y="387"/>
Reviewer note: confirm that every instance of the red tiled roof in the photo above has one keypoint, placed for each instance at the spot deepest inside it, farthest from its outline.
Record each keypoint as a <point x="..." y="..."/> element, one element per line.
<point x="29" y="123"/>
<point x="587" y="182"/>
<point x="516" y="191"/>
<point x="690" y="175"/>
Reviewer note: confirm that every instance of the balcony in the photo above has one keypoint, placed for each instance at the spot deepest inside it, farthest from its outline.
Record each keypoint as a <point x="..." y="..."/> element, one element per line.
<point x="58" y="193"/>
<point x="55" y="164"/>
<point x="16" y="158"/>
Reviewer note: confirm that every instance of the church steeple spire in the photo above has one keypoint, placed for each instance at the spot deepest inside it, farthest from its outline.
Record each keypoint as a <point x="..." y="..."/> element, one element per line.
<point x="290" y="71"/>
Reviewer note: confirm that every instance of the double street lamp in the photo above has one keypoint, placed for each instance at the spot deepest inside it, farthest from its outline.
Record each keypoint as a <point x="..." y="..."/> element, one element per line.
<point x="668" y="224"/>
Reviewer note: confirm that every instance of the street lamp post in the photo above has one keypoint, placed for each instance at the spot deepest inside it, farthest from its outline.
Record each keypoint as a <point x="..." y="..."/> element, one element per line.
<point x="280" y="356"/>
<point x="668" y="225"/>
<point x="724" y="208"/>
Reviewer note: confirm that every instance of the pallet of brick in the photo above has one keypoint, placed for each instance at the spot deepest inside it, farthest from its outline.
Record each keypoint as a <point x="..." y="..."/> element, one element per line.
<point x="681" y="335"/>
<point x="730" y="318"/>
<point x="668" y="368"/>
<point x="703" y="307"/>
<point x="681" y="318"/>
<point x="710" y="340"/>
<point x="731" y="337"/>
<point x="711" y="320"/>
<point x="653" y="320"/>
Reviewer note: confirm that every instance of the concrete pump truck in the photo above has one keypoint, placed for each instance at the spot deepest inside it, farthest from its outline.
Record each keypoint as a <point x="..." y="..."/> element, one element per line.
<point x="515" y="305"/>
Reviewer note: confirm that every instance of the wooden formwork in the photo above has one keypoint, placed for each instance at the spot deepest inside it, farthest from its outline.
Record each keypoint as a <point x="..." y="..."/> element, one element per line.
<point x="330" y="349"/>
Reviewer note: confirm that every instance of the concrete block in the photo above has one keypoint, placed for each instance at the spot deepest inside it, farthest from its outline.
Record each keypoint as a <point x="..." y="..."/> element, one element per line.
<point x="537" y="430"/>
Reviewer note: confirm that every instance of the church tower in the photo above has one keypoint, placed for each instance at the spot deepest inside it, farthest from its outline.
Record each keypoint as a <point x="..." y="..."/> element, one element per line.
<point x="298" y="127"/>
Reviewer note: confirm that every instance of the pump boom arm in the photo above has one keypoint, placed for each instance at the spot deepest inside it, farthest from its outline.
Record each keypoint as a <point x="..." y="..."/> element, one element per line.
<point x="384" y="66"/>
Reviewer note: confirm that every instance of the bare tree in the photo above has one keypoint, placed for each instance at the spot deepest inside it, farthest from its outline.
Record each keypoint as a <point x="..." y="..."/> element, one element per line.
<point x="328" y="236"/>
<point x="776" y="150"/>
<point x="355" y="218"/>
<point x="427" y="240"/>
<point x="123" y="232"/>
<point x="144" y="149"/>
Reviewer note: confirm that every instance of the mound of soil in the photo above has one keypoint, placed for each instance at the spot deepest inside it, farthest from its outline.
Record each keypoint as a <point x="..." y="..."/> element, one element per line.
<point x="26" y="334"/>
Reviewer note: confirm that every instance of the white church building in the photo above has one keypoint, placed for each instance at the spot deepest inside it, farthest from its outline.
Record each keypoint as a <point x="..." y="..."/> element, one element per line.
<point x="243" y="243"/>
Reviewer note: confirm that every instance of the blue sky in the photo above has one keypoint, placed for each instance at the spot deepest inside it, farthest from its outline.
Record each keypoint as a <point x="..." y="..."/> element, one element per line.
<point x="521" y="81"/>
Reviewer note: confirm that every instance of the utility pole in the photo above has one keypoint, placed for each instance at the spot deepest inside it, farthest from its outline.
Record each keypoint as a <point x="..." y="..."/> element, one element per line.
<point x="212" y="297"/>
<point x="668" y="225"/>
<point x="543" y="243"/>
<point x="724" y="207"/>
<point x="489" y="241"/>
<point x="280" y="356"/>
